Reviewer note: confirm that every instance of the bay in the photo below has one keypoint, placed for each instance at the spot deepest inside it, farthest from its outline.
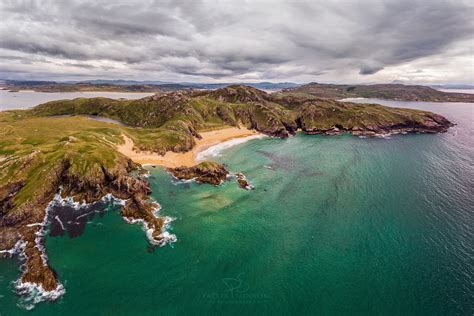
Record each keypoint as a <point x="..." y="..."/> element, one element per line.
<point x="335" y="225"/>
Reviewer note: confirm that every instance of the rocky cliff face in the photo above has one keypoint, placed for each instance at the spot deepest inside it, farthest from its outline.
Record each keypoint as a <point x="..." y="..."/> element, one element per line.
<point x="281" y="115"/>
<point x="7" y="193"/>
<point x="379" y="91"/>
<point x="178" y="115"/>
<point x="25" y="226"/>
<point x="81" y="162"/>
<point x="361" y="119"/>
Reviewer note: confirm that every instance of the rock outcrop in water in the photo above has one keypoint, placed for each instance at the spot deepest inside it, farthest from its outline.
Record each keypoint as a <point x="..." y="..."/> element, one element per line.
<point x="205" y="172"/>
<point x="25" y="227"/>
<point x="46" y="150"/>
<point x="243" y="182"/>
<point x="209" y="172"/>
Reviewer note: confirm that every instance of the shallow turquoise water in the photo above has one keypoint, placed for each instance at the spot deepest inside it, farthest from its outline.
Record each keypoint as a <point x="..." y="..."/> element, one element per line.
<point x="335" y="225"/>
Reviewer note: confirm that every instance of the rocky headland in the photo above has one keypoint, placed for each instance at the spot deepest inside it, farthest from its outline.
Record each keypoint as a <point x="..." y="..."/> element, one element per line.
<point x="53" y="153"/>
<point x="378" y="91"/>
<point x="23" y="229"/>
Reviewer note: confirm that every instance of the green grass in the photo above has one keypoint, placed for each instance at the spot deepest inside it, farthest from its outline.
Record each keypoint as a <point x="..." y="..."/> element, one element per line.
<point x="32" y="147"/>
<point x="33" y="143"/>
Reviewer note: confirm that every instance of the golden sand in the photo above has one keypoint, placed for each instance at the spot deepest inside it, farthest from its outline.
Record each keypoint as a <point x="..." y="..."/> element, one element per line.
<point x="187" y="159"/>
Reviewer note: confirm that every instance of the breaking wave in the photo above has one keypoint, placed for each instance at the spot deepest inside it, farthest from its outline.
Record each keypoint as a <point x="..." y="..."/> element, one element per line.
<point x="215" y="151"/>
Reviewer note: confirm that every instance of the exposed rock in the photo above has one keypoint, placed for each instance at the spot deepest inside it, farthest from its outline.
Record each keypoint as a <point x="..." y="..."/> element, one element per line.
<point x="243" y="182"/>
<point x="7" y="193"/>
<point x="334" y="118"/>
<point x="175" y="119"/>
<point x="27" y="222"/>
<point x="180" y="114"/>
<point x="205" y="172"/>
<point x="239" y="94"/>
<point x="378" y="91"/>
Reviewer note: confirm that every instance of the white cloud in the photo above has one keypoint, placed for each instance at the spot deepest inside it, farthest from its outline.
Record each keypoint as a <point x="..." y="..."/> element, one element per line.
<point x="211" y="40"/>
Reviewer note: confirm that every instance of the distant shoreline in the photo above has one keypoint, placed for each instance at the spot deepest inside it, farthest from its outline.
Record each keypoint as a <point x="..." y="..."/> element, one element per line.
<point x="27" y="99"/>
<point x="468" y="91"/>
<point x="81" y="91"/>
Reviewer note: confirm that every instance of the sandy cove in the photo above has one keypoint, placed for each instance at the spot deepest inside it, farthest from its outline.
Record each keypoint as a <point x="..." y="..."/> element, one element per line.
<point x="187" y="159"/>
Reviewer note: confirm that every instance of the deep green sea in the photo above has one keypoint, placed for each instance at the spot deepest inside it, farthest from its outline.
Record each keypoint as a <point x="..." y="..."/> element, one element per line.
<point x="336" y="225"/>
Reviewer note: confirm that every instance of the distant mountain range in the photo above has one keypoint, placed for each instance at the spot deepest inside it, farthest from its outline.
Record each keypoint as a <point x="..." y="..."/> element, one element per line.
<point x="322" y="90"/>
<point x="259" y="85"/>
<point x="131" y="85"/>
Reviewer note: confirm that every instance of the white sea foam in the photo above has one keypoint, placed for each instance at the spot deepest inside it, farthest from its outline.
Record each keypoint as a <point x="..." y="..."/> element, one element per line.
<point x="17" y="249"/>
<point x="69" y="201"/>
<point x="60" y="222"/>
<point x="215" y="151"/>
<point x="148" y="164"/>
<point x="146" y="175"/>
<point x="34" y="224"/>
<point x="181" y="181"/>
<point x="164" y="238"/>
<point x="384" y="136"/>
<point x="33" y="293"/>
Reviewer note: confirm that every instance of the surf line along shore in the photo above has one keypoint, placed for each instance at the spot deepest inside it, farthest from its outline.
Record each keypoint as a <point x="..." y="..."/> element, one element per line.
<point x="189" y="158"/>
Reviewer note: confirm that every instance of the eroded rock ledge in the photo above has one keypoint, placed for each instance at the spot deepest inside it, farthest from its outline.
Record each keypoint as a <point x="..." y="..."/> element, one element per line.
<point x="205" y="172"/>
<point x="23" y="230"/>
<point x="81" y="162"/>
<point x="210" y="172"/>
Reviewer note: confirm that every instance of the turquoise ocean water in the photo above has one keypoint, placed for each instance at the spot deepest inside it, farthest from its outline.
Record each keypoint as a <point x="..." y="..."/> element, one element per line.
<point x="335" y="225"/>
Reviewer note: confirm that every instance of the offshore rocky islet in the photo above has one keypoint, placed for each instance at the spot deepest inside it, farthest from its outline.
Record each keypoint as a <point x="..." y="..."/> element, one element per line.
<point x="34" y="171"/>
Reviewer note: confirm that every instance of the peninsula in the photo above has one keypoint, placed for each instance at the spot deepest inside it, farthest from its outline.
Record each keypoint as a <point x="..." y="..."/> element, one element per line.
<point x="320" y="90"/>
<point x="379" y="91"/>
<point x="58" y="152"/>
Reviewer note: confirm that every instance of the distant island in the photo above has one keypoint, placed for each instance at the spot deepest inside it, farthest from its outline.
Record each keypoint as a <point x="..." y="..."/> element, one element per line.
<point x="55" y="152"/>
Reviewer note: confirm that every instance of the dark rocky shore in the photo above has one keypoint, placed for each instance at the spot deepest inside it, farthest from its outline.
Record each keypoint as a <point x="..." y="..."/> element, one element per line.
<point x="83" y="163"/>
<point x="25" y="226"/>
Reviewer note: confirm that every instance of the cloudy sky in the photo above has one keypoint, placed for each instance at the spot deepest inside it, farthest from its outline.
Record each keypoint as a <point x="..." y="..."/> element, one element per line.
<point x="354" y="41"/>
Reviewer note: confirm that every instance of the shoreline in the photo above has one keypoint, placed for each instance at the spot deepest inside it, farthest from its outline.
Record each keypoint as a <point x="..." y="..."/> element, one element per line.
<point x="189" y="158"/>
<point x="72" y="91"/>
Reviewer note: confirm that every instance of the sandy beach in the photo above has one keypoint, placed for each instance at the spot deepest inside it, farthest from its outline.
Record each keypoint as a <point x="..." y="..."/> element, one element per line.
<point x="188" y="159"/>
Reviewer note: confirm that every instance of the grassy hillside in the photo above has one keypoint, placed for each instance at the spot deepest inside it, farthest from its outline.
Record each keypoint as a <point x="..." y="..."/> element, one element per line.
<point x="378" y="91"/>
<point x="34" y="140"/>
<point x="58" y="146"/>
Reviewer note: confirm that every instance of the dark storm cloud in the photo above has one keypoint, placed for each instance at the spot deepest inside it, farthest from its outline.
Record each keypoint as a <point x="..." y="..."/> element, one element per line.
<point x="367" y="70"/>
<point x="227" y="39"/>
